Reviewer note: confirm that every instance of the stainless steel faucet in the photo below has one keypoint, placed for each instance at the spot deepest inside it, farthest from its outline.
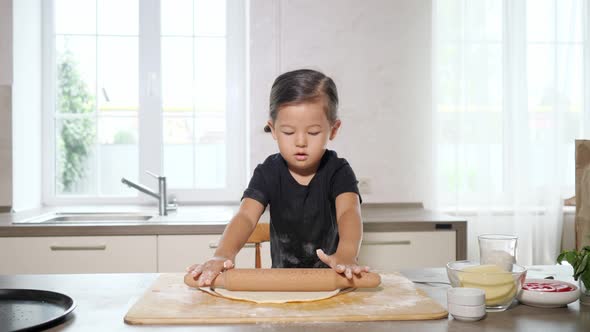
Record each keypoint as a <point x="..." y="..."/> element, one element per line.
<point x="163" y="206"/>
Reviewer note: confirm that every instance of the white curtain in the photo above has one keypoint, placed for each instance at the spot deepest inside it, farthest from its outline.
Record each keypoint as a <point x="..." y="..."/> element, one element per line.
<point x="510" y="83"/>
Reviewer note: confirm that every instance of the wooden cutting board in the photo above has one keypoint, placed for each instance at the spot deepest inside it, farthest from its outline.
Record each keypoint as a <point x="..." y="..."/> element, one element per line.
<point x="170" y="301"/>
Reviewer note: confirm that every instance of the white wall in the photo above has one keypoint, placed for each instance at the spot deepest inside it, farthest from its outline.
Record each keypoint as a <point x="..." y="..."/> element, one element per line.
<point x="26" y="104"/>
<point x="5" y="102"/>
<point x="5" y="147"/>
<point x="378" y="53"/>
<point x="5" y="42"/>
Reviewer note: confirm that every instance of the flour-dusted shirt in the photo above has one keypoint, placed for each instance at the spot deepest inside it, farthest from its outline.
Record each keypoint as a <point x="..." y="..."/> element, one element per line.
<point x="302" y="218"/>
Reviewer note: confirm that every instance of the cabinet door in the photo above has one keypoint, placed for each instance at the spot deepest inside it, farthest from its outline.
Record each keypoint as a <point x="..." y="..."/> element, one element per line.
<point x="176" y="252"/>
<point x="78" y="254"/>
<point x="392" y="251"/>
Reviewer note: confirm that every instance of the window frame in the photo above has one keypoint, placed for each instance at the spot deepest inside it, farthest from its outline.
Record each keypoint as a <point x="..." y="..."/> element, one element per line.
<point x="151" y="115"/>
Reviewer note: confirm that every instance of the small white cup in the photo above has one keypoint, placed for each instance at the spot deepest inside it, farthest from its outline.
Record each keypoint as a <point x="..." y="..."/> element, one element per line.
<point x="467" y="312"/>
<point x="466" y="303"/>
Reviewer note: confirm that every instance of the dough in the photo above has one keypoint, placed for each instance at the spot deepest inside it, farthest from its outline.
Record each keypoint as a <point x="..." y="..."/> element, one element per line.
<point x="273" y="297"/>
<point x="498" y="284"/>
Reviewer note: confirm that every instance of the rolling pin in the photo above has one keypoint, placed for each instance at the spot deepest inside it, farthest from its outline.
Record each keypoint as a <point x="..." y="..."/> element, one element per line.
<point x="303" y="280"/>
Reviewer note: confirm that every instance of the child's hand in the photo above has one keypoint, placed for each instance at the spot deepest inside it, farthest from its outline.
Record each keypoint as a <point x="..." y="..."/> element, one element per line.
<point x="342" y="265"/>
<point x="208" y="271"/>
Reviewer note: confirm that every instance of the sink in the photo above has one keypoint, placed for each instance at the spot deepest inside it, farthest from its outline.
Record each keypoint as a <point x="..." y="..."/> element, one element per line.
<point x="87" y="218"/>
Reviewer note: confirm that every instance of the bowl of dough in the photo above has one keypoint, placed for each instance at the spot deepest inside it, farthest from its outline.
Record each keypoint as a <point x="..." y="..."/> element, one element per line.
<point x="500" y="286"/>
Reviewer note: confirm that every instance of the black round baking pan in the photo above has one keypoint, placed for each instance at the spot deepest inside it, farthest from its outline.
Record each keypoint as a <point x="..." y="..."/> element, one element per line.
<point x="33" y="309"/>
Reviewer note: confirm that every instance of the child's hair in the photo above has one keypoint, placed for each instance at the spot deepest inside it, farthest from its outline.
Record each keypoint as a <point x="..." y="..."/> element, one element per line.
<point x="303" y="85"/>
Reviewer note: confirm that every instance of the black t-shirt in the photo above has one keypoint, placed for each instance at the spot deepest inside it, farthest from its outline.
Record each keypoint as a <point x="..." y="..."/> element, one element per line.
<point x="302" y="218"/>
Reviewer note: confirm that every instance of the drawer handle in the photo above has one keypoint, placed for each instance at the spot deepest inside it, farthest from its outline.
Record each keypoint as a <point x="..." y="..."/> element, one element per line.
<point x="75" y="248"/>
<point x="214" y="245"/>
<point x="385" y="243"/>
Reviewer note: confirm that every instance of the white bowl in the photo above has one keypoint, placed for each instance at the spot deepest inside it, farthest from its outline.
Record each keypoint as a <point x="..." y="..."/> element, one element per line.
<point x="545" y="299"/>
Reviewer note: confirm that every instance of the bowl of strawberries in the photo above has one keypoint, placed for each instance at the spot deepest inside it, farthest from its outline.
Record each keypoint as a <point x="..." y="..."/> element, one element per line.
<point x="548" y="293"/>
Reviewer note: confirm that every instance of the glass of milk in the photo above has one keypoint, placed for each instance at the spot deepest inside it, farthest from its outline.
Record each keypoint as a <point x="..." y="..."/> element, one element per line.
<point x="498" y="249"/>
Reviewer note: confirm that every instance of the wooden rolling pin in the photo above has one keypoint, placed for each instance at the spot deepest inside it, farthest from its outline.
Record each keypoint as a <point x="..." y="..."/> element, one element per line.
<point x="303" y="280"/>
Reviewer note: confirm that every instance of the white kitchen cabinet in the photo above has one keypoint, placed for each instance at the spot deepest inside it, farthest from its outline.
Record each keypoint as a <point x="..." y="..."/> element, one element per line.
<point x="382" y="251"/>
<point x="393" y="251"/>
<point x="78" y="254"/>
<point x="176" y="252"/>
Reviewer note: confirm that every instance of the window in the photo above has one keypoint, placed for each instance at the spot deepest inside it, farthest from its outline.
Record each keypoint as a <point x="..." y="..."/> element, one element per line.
<point x="510" y="91"/>
<point x="152" y="85"/>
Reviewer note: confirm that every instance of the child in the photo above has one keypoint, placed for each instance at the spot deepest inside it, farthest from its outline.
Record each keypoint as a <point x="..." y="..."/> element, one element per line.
<point x="313" y="195"/>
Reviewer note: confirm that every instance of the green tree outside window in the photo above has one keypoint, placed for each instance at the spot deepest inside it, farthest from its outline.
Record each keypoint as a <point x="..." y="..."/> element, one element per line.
<point x="77" y="135"/>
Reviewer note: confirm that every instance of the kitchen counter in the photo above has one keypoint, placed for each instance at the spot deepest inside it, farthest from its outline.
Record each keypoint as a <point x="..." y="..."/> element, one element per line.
<point x="212" y="219"/>
<point x="406" y="226"/>
<point x="104" y="299"/>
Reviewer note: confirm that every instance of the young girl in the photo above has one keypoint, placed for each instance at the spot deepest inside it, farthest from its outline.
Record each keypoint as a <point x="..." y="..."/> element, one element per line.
<point x="313" y="195"/>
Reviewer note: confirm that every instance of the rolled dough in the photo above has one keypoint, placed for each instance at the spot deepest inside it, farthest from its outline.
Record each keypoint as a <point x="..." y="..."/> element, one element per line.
<point x="273" y="297"/>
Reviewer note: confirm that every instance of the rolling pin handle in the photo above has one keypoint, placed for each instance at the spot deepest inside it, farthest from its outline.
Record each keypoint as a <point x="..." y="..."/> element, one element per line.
<point x="217" y="282"/>
<point x="190" y="281"/>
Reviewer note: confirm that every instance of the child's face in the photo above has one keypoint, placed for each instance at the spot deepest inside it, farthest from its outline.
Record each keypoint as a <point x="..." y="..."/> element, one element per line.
<point x="302" y="132"/>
